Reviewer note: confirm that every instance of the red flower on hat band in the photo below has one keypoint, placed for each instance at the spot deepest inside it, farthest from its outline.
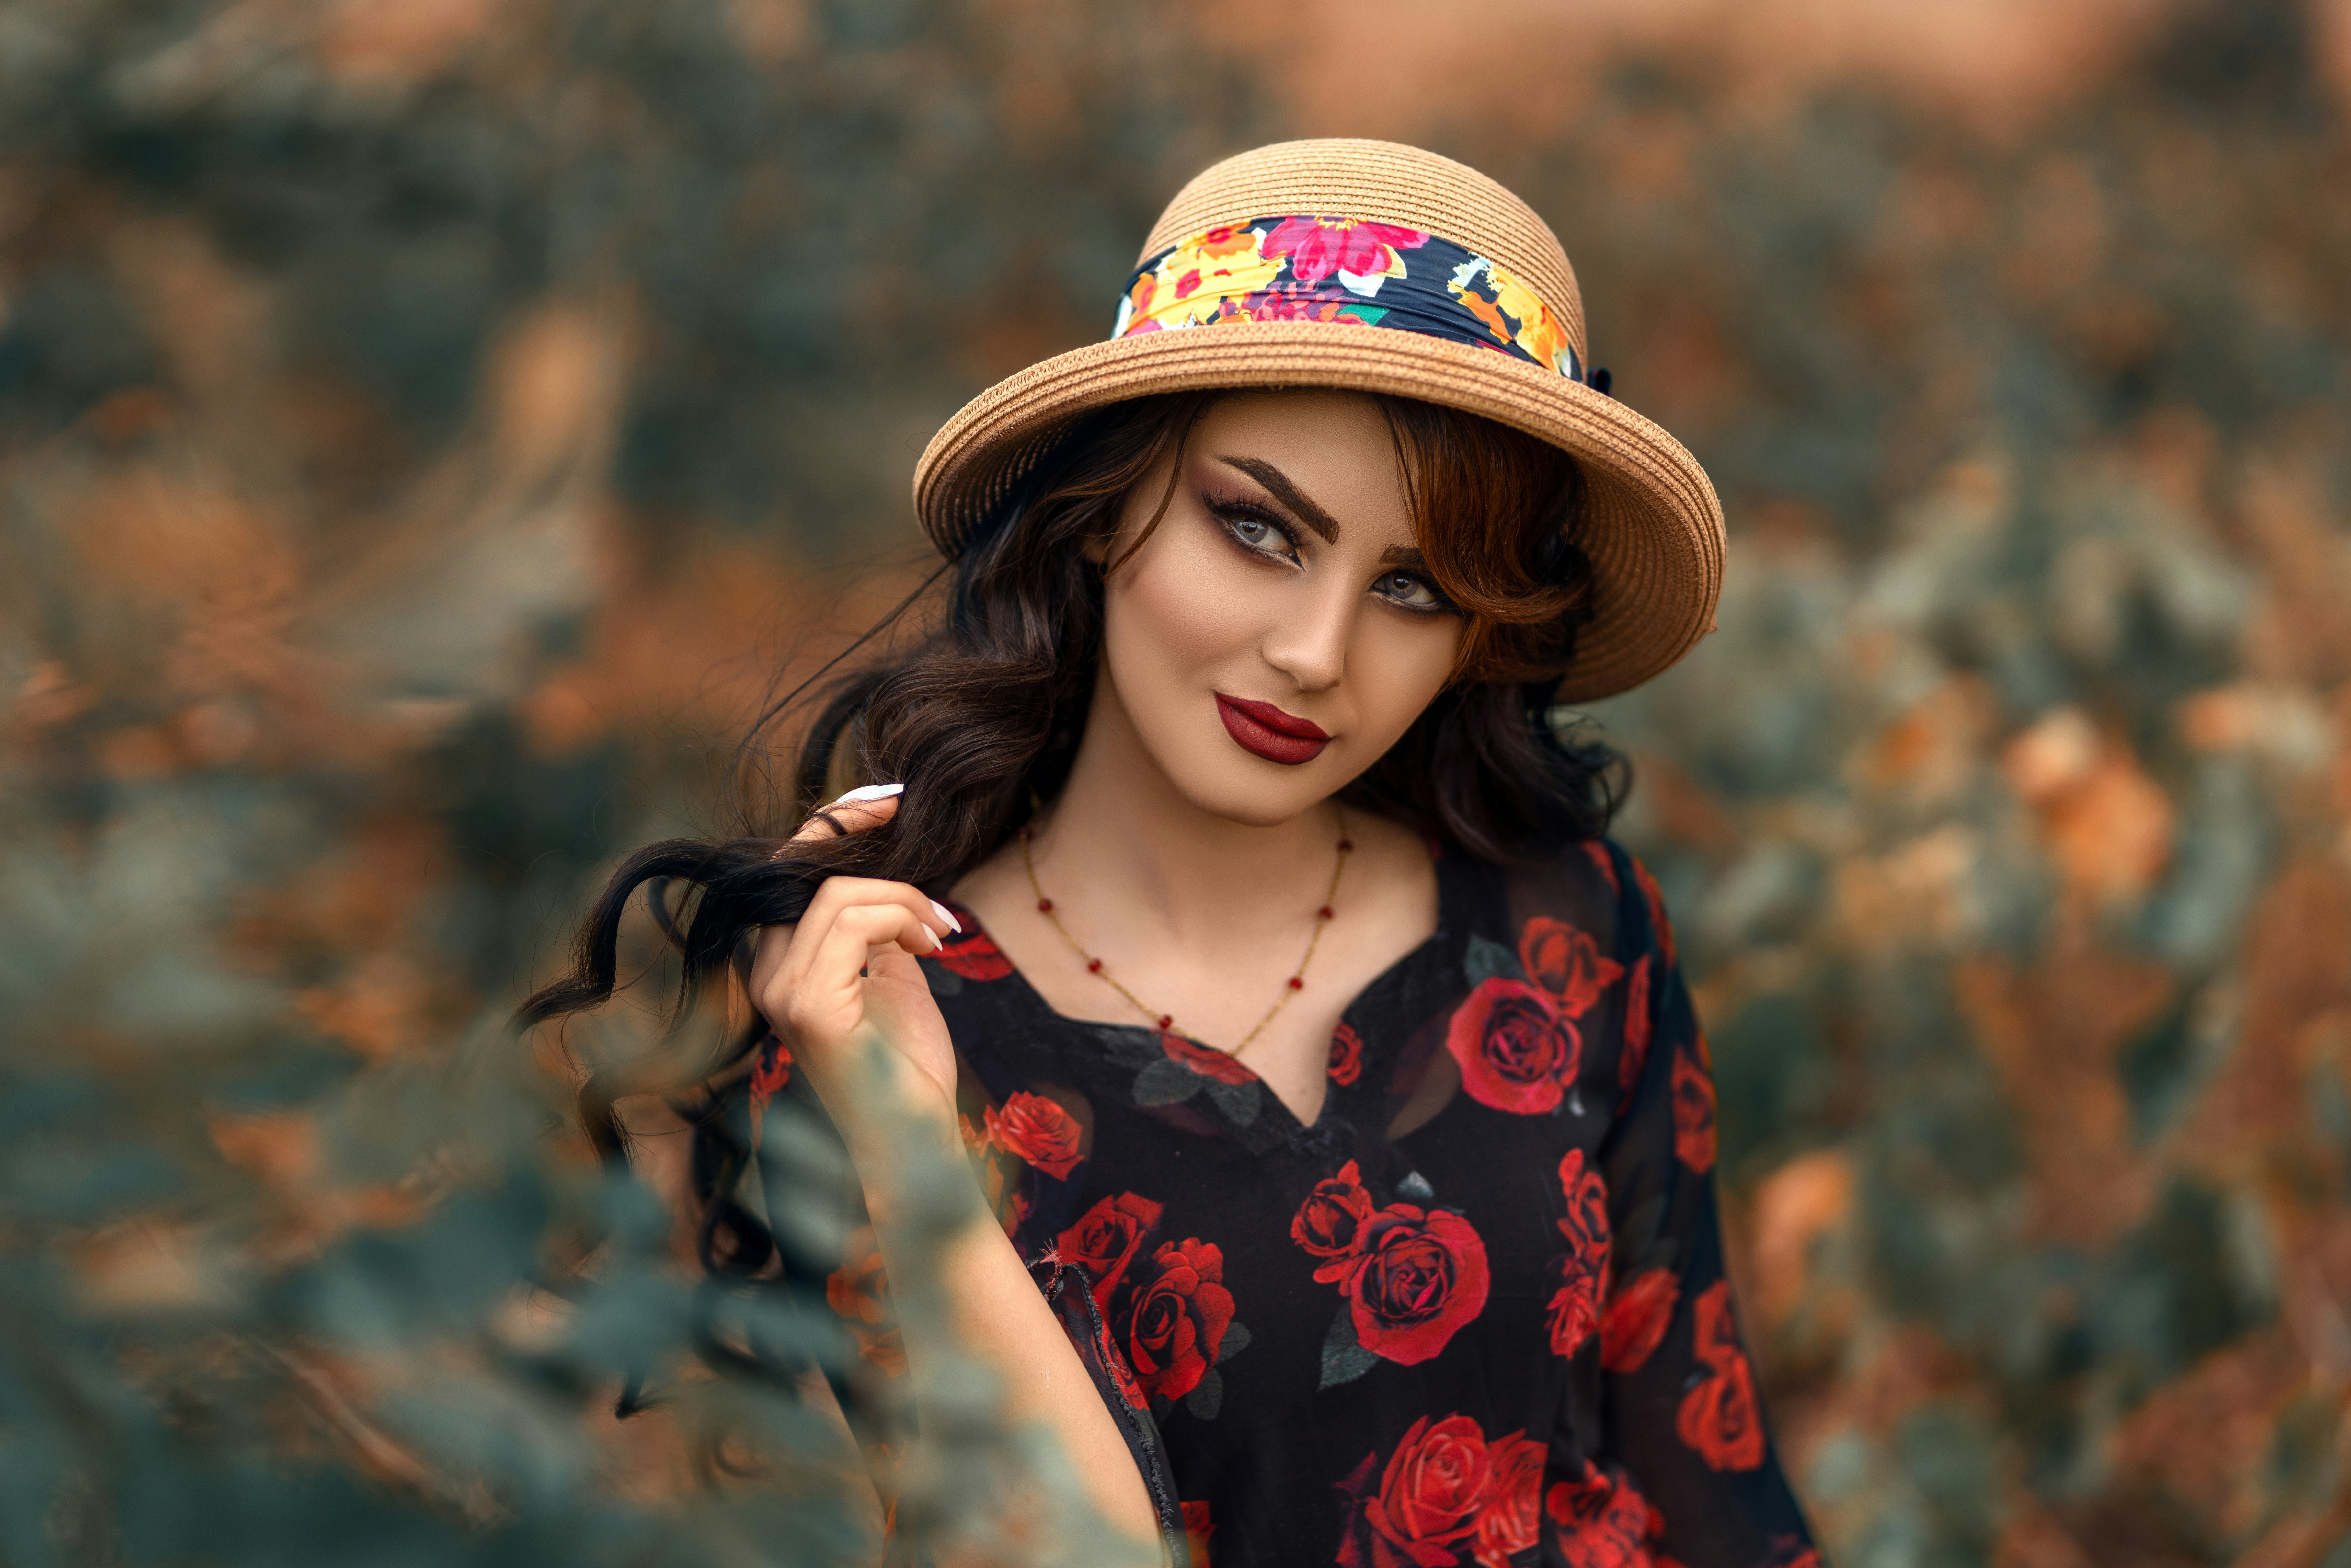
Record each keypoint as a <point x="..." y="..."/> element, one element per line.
<point x="1347" y="271"/>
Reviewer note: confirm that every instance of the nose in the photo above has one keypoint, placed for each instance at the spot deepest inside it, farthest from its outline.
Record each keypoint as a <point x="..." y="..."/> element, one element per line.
<point x="1310" y="644"/>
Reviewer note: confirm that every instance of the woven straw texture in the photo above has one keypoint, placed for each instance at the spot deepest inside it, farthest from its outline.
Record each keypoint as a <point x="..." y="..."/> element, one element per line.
<point x="1380" y="182"/>
<point x="1652" y="525"/>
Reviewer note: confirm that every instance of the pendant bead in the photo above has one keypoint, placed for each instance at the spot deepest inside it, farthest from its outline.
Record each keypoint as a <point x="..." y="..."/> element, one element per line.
<point x="1166" y="1022"/>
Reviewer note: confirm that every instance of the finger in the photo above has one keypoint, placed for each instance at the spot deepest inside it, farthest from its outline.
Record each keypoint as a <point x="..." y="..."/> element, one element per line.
<point x="831" y="966"/>
<point x="868" y="807"/>
<point x="840" y="892"/>
<point x="840" y="896"/>
<point x="774" y="969"/>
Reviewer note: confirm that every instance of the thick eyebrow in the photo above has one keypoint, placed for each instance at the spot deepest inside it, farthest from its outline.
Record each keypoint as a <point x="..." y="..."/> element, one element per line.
<point x="1405" y="556"/>
<point x="1288" y="494"/>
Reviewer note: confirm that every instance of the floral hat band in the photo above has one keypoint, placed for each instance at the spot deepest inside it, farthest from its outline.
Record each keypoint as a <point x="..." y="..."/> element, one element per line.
<point x="1485" y="320"/>
<point x="1350" y="271"/>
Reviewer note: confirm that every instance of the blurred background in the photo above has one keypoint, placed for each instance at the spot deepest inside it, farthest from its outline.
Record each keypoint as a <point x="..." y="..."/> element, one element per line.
<point x="428" y="426"/>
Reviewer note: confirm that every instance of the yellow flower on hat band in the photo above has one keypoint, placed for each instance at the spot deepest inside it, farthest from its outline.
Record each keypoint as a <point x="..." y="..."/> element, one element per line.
<point x="1346" y="271"/>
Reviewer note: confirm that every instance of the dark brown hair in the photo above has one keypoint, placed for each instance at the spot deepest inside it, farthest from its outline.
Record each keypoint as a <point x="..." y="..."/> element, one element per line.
<point x="984" y="713"/>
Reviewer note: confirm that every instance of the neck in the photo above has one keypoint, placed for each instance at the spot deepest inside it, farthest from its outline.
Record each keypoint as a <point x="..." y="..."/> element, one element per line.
<point x="1123" y="839"/>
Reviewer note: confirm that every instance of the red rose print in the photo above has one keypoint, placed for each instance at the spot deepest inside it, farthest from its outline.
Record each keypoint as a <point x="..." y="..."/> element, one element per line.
<point x="769" y="1073"/>
<point x="1567" y="963"/>
<point x="1693" y="1114"/>
<point x="1714" y="1331"/>
<point x="1356" y="1549"/>
<point x="859" y="1293"/>
<point x="1330" y="1224"/>
<point x="1656" y="901"/>
<point x="1435" y="1484"/>
<point x="1206" y="1061"/>
<point x="1718" y="1419"/>
<point x="1106" y="1237"/>
<point x="1346" y="1056"/>
<point x="1574" y="1308"/>
<point x="973" y="956"/>
<point x="1416" y="1278"/>
<point x="1586" y="1224"/>
<point x="1038" y="1130"/>
<point x="1602" y="1521"/>
<point x="1516" y="1052"/>
<point x="1637" y="1024"/>
<point x="1198" y="1528"/>
<point x="1635" y="1322"/>
<point x="1180" y="1314"/>
<point x="1583" y="1272"/>
<point x="1317" y="249"/>
<point x="1106" y="1351"/>
<point x="1511" y="1515"/>
<point x="1593" y="848"/>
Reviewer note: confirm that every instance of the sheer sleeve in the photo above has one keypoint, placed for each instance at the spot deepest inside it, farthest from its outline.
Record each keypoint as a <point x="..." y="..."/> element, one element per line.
<point x="867" y="1371"/>
<point x="1682" y="1420"/>
<point x="1071" y="1291"/>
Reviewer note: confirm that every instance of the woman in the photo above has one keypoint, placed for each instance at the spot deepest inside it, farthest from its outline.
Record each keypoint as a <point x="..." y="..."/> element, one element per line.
<point x="1213" y="877"/>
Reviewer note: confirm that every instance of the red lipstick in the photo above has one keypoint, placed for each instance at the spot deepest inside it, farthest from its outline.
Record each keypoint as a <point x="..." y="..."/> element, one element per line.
<point x="1266" y="731"/>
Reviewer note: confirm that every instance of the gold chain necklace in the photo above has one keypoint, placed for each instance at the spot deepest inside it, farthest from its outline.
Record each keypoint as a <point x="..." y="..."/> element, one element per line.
<point x="1166" y="1022"/>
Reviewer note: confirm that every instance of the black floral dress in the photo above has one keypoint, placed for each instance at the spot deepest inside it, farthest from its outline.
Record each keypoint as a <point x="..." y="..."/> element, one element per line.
<point x="1474" y="1314"/>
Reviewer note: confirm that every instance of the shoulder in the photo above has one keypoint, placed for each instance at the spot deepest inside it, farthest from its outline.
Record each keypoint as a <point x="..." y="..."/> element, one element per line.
<point x="1596" y="886"/>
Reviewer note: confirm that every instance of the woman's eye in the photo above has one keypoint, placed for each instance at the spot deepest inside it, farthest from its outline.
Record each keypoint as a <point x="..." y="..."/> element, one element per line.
<point x="1403" y="588"/>
<point x="1254" y="532"/>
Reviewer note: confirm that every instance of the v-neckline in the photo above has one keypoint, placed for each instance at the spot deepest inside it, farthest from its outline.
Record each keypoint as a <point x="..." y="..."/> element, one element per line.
<point x="1452" y="898"/>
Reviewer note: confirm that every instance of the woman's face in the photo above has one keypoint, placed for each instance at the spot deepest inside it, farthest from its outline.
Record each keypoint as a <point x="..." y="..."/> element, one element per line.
<point x="1276" y="633"/>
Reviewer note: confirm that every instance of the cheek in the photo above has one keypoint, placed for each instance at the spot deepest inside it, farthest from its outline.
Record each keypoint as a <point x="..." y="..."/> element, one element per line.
<point x="1396" y="670"/>
<point x="1178" y="608"/>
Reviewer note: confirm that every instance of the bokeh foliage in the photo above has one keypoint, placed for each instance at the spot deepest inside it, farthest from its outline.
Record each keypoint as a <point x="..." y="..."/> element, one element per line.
<point x="429" y="424"/>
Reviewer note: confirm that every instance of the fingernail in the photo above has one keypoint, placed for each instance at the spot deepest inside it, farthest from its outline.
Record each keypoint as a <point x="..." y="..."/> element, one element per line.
<point x="869" y="792"/>
<point x="948" y="915"/>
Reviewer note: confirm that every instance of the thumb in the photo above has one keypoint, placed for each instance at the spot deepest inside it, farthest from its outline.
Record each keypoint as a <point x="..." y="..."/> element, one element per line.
<point x="868" y="806"/>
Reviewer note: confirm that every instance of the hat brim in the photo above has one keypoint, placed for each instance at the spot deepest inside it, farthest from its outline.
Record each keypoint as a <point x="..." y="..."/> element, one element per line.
<point x="1652" y="525"/>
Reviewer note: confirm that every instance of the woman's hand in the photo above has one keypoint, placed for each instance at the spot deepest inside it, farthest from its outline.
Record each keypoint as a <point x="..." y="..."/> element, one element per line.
<point x="845" y="977"/>
<point x="843" y="982"/>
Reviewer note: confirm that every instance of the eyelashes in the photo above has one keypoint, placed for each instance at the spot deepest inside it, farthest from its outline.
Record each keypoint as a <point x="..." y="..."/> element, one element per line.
<point x="1236" y="513"/>
<point x="1240" y="515"/>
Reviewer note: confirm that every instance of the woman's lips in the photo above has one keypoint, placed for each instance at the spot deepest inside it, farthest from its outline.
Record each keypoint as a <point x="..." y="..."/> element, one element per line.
<point x="1267" y="732"/>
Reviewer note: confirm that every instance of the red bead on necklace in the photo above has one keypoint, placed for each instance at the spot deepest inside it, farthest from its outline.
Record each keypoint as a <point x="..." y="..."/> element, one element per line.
<point x="1166" y="1022"/>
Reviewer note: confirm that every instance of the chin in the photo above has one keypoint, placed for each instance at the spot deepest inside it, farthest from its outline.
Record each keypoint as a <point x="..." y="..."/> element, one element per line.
<point x="1255" y="793"/>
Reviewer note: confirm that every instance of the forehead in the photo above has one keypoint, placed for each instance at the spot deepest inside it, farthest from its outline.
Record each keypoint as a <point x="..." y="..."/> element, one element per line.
<point x="1335" y="446"/>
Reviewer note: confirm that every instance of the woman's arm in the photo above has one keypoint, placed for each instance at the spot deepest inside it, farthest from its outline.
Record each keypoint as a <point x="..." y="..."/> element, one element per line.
<point x="1682" y="1414"/>
<point x="843" y="990"/>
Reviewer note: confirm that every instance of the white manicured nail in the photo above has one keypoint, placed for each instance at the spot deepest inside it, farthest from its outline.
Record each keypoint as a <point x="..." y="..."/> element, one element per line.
<point x="947" y="915"/>
<point x="869" y="792"/>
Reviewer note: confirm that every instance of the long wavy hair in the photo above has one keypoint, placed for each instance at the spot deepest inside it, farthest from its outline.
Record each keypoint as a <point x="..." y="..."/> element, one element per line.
<point x="983" y="712"/>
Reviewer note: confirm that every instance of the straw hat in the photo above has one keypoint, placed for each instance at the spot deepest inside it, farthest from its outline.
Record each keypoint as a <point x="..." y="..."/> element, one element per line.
<point x="1372" y="267"/>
